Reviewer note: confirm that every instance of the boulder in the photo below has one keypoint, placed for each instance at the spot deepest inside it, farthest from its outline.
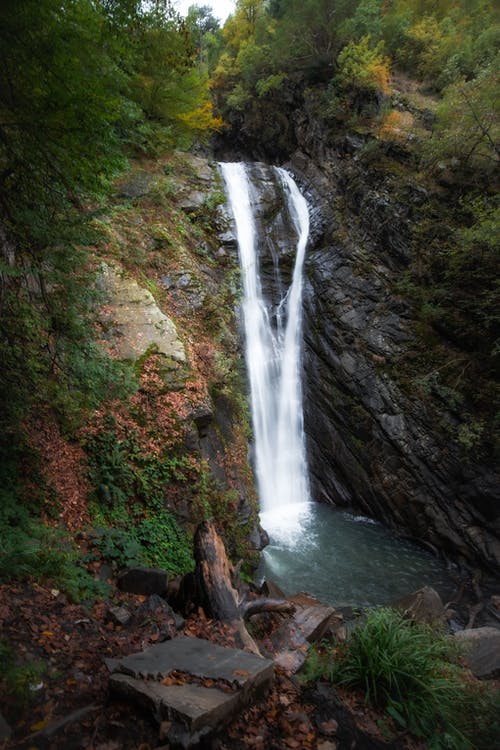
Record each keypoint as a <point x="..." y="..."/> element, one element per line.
<point x="168" y="621"/>
<point x="292" y="640"/>
<point x="482" y="650"/>
<point x="192" y="202"/>
<point x="136" y="184"/>
<point x="424" y="605"/>
<point x="119" y="616"/>
<point x="145" y="581"/>
<point x="132" y="321"/>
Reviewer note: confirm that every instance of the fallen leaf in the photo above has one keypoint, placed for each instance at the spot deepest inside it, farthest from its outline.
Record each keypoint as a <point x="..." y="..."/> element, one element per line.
<point x="39" y="725"/>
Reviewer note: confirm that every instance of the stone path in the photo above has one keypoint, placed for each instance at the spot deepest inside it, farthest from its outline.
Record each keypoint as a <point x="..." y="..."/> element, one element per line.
<point x="195" y="710"/>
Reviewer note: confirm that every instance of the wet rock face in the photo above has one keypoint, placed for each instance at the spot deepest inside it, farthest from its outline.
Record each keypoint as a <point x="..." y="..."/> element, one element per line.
<point x="370" y="444"/>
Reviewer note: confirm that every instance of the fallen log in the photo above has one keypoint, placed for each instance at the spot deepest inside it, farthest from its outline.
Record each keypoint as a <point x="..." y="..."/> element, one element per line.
<point x="212" y="586"/>
<point x="257" y="606"/>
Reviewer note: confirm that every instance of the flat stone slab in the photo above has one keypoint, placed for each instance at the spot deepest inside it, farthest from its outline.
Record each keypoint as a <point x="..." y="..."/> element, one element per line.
<point x="197" y="657"/>
<point x="194" y="706"/>
<point x="196" y="710"/>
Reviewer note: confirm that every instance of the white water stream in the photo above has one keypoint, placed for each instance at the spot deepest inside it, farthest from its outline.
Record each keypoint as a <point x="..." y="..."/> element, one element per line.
<point x="273" y="355"/>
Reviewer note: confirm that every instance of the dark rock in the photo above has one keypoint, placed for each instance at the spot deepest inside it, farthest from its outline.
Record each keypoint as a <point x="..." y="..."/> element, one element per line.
<point x="259" y="538"/>
<point x="202" y="416"/>
<point x="424" y="605"/>
<point x="481" y="650"/>
<point x="291" y="641"/>
<point x="192" y="202"/>
<point x="119" y="616"/>
<point x="143" y="581"/>
<point x="371" y="445"/>
<point x="165" y="617"/>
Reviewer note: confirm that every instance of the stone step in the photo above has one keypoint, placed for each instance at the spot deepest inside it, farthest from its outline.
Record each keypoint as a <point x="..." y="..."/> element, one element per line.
<point x="195" y="710"/>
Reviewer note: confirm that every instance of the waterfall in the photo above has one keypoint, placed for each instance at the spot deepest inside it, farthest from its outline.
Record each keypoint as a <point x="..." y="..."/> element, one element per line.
<point x="273" y="338"/>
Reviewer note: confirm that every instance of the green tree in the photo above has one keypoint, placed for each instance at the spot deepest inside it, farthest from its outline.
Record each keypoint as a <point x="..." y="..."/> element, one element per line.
<point x="468" y="126"/>
<point x="363" y="68"/>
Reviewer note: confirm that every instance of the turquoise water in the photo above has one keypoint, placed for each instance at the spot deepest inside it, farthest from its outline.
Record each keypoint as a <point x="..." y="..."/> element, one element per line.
<point x="351" y="560"/>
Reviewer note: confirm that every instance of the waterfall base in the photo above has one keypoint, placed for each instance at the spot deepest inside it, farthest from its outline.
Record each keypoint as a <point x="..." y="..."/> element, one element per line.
<point x="347" y="560"/>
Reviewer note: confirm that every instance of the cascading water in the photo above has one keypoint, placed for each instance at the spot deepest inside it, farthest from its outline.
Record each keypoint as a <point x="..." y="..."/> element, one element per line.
<point x="312" y="547"/>
<point x="273" y="360"/>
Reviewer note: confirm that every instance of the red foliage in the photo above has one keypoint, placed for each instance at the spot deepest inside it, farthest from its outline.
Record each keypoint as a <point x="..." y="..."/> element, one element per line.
<point x="63" y="466"/>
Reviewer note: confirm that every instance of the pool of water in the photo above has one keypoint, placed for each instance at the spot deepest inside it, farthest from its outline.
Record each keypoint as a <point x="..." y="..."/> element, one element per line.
<point x="345" y="559"/>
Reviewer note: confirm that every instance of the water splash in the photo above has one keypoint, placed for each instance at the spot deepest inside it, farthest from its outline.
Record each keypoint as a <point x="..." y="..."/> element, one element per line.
<point x="273" y="355"/>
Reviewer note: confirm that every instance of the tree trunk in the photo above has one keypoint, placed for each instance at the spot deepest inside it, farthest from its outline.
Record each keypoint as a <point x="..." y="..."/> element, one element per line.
<point x="214" y="591"/>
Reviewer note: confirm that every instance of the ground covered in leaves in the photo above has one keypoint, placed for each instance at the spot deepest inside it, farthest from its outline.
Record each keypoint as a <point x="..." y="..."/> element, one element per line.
<point x="63" y="647"/>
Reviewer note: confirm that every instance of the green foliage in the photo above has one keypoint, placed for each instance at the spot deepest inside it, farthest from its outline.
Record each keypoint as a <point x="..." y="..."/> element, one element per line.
<point x="75" y="87"/>
<point x="157" y="541"/>
<point x="468" y="123"/>
<point x="18" y="679"/>
<point x="409" y="670"/>
<point x="363" y="67"/>
<point x="31" y="551"/>
<point x="123" y="471"/>
<point x="131" y="520"/>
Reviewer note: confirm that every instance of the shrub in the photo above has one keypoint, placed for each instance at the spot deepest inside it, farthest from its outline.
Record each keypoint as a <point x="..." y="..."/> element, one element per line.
<point x="133" y="526"/>
<point x="29" y="550"/>
<point x="410" y="670"/>
<point x="16" y="678"/>
<point x="32" y="552"/>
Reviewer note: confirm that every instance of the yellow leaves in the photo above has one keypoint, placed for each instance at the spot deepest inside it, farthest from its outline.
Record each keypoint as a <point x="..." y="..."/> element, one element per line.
<point x="363" y="67"/>
<point x="378" y="74"/>
<point x="396" y="126"/>
<point x="39" y="725"/>
<point x="389" y="124"/>
<point x="201" y="119"/>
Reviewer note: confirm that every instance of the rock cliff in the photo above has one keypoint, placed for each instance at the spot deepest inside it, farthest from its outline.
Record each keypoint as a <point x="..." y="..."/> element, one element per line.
<point x="374" y="443"/>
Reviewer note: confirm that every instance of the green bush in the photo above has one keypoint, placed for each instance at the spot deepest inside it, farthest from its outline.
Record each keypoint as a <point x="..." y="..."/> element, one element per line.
<point x="156" y="540"/>
<point x="132" y="524"/>
<point x="17" y="679"/>
<point x="410" y="671"/>
<point x="30" y="551"/>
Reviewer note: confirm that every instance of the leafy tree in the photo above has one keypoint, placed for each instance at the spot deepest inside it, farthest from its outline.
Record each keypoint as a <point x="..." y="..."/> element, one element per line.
<point x="78" y="80"/>
<point x="205" y="33"/>
<point x="468" y="126"/>
<point x="363" y="68"/>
